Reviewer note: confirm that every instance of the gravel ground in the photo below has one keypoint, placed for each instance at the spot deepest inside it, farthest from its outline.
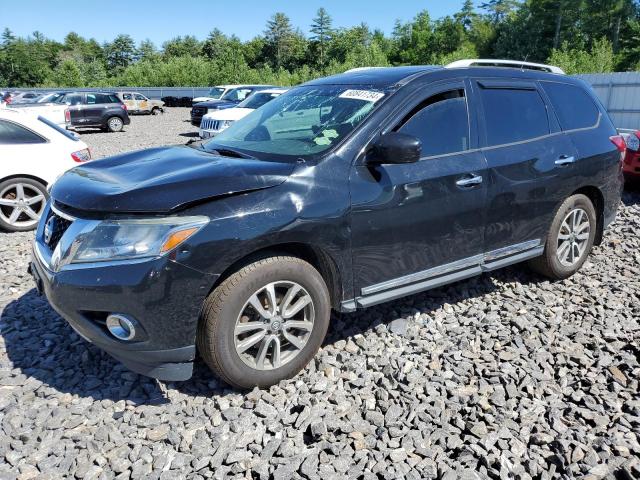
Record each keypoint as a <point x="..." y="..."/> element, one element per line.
<point x="504" y="376"/>
<point x="170" y="128"/>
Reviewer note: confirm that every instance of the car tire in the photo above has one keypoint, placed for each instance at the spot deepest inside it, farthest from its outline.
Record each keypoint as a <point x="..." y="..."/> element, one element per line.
<point x="569" y="240"/>
<point x="228" y="349"/>
<point x="155" y="111"/>
<point x="115" y="124"/>
<point x="34" y="198"/>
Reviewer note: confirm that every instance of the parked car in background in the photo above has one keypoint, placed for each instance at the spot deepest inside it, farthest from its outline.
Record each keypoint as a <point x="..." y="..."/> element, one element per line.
<point x="25" y="97"/>
<point x="34" y="152"/>
<point x="96" y="110"/>
<point x="215" y="93"/>
<point x="49" y="97"/>
<point x="343" y="193"/>
<point x="631" y="162"/>
<point x="6" y="97"/>
<point x="54" y="112"/>
<point x="138" y="103"/>
<point x="230" y="99"/>
<point x="218" y="120"/>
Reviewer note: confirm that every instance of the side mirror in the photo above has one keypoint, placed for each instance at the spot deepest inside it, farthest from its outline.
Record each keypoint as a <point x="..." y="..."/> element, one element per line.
<point x="395" y="147"/>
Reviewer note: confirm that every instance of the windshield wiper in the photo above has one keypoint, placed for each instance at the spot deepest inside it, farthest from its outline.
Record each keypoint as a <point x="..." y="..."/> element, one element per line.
<point x="226" y="152"/>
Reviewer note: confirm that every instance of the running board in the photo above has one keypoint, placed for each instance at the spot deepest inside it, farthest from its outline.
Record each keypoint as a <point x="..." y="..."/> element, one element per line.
<point x="439" y="276"/>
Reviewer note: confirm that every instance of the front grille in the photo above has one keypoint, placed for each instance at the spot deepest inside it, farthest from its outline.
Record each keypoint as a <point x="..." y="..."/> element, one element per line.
<point x="208" y="124"/>
<point x="54" y="228"/>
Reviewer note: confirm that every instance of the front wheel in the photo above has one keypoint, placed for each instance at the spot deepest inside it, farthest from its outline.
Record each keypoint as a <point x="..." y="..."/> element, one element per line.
<point x="265" y="322"/>
<point x="22" y="201"/>
<point x="115" y="124"/>
<point x="569" y="240"/>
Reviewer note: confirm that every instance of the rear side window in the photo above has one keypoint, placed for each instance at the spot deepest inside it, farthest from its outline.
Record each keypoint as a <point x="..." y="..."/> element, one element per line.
<point x="513" y="115"/>
<point x="139" y="97"/>
<point x="14" y="134"/>
<point x="441" y="123"/>
<point x="573" y="106"/>
<point x="71" y="99"/>
<point x="126" y="96"/>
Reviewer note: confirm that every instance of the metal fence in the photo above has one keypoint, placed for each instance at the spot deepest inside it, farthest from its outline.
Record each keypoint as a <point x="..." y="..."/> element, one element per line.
<point x="620" y="94"/>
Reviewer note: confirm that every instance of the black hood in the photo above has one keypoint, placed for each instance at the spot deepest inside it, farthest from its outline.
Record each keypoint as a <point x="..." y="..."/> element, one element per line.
<point x="160" y="180"/>
<point x="216" y="104"/>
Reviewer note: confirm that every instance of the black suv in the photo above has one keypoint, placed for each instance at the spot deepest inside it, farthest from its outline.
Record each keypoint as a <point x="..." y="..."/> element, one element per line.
<point x="96" y="109"/>
<point x="342" y="193"/>
<point x="229" y="100"/>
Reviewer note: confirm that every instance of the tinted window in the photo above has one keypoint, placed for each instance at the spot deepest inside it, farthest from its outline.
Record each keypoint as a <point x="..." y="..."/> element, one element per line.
<point x="126" y="96"/>
<point x="441" y="123"/>
<point x="573" y="106"/>
<point x="513" y="115"/>
<point x="71" y="99"/>
<point x="12" y="134"/>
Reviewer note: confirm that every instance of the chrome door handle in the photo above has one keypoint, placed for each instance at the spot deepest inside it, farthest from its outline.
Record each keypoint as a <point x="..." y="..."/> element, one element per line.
<point x="565" y="160"/>
<point x="469" y="181"/>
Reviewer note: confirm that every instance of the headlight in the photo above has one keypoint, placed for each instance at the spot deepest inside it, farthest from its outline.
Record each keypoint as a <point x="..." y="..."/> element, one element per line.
<point x="111" y="240"/>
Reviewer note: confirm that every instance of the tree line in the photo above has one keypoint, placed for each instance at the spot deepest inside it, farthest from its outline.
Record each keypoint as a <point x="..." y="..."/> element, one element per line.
<point x="581" y="36"/>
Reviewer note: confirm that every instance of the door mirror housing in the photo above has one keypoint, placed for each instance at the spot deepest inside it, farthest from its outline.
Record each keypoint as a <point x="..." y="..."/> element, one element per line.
<point x="395" y="147"/>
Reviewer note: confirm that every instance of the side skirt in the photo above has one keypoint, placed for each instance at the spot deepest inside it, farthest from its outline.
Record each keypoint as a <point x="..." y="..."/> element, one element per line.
<point x="443" y="275"/>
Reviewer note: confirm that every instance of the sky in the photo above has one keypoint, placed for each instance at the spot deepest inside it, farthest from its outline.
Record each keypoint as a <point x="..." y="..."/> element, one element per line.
<point x="162" y="20"/>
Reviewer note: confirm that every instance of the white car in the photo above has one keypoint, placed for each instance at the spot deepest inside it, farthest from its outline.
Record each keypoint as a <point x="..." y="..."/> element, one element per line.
<point x="34" y="153"/>
<point x="54" y="112"/>
<point x="215" y="122"/>
<point x="215" y="93"/>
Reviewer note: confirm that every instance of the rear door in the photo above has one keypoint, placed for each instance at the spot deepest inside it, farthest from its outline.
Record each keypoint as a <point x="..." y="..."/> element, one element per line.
<point x="527" y="156"/>
<point x="417" y="222"/>
<point x="142" y="103"/>
<point x="95" y="108"/>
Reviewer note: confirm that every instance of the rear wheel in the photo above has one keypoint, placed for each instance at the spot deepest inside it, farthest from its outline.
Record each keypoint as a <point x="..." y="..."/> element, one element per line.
<point x="570" y="239"/>
<point x="22" y="201"/>
<point x="265" y="322"/>
<point x="156" y="111"/>
<point x="115" y="124"/>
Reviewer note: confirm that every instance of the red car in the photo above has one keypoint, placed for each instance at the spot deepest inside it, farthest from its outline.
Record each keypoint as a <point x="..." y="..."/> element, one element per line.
<point x="631" y="163"/>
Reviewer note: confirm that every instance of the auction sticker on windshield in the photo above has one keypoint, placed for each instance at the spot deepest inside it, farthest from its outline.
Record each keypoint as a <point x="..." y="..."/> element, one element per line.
<point x="366" y="95"/>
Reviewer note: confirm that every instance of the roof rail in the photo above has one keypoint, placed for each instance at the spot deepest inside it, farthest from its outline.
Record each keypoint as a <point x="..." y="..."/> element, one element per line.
<point x="490" y="62"/>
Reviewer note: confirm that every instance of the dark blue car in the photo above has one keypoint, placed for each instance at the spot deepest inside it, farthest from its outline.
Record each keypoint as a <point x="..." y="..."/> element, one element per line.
<point x="229" y="100"/>
<point x="342" y="193"/>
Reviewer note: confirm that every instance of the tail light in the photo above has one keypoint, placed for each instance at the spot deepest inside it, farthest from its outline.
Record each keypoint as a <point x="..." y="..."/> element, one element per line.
<point x="81" y="155"/>
<point x="621" y="145"/>
<point x="67" y="116"/>
<point x="124" y="106"/>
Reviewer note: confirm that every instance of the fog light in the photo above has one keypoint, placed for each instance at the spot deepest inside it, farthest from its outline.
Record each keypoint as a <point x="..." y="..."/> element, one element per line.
<point x="121" y="327"/>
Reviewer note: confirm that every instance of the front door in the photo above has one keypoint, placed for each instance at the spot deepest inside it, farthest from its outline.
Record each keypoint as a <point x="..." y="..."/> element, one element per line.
<point x="420" y="221"/>
<point x="93" y="109"/>
<point x="142" y="103"/>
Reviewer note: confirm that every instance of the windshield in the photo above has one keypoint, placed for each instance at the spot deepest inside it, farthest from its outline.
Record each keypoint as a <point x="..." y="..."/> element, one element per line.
<point x="216" y="92"/>
<point x="257" y="100"/>
<point x="302" y="122"/>
<point x="236" y="94"/>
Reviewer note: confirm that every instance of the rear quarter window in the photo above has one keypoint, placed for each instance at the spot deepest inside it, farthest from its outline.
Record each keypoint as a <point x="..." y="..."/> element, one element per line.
<point x="573" y="106"/>
<point x="14" y="134"/>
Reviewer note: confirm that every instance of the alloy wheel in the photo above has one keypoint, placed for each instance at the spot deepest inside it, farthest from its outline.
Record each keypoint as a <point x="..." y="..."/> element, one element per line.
<point x="573" y="237"/>
<point x="21" y="205"/>
<point x="274" y="325"/>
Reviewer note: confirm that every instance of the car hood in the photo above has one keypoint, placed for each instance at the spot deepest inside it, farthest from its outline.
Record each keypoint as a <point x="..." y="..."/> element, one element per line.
<point x="216" y="104"/>
<point x="162" y="180"/>
<point x="229" y="114"/>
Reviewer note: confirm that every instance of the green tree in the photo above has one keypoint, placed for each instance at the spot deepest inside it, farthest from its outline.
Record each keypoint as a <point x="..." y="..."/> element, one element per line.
<point x="500" y="9"/>
<point x="278" y="37"/>
<point x="182" y="46"/>
<point x="68" y="74"/>
<point x="147" y="50"/>
<point x="466" y="15"/>
<point x="120" y="53"/>
<point x="599" y="59"/>
<point x="322" y="31"/>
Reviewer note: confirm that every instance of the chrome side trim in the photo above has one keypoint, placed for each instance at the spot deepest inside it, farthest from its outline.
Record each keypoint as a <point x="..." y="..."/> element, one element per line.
<point x="465" y="263"/>
<point x="511" y="250"/>
<point x="424" y="274"/>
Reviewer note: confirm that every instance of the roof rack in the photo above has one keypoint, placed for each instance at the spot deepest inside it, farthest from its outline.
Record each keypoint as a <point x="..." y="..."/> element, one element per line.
<point x="489" y="62"/>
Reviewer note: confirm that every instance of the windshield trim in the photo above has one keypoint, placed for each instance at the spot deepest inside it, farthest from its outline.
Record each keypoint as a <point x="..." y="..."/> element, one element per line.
<point x="266" y="156"/>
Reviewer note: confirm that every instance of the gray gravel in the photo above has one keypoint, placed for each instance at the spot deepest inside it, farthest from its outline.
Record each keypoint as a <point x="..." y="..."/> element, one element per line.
<point x="505" y="376"/>
<point x="170" y="128"/>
